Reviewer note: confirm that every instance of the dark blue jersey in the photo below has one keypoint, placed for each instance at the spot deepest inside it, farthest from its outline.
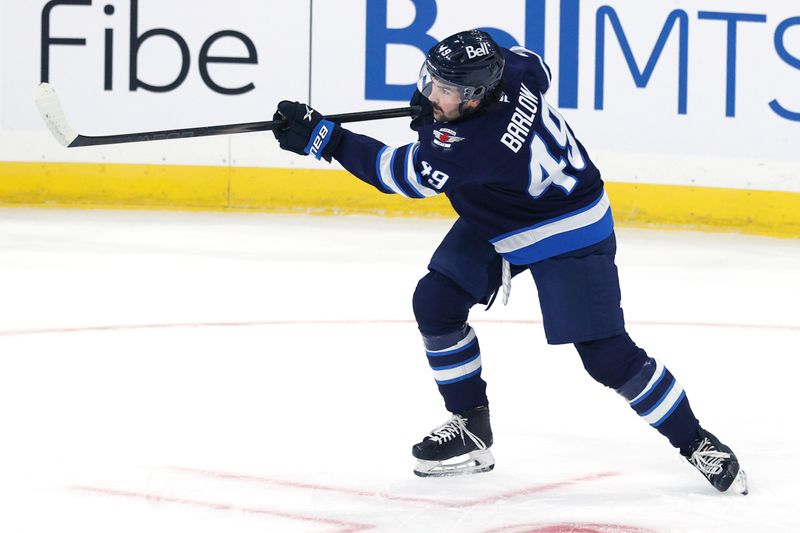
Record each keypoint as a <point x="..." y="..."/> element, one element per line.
<point x="514" y="171"/>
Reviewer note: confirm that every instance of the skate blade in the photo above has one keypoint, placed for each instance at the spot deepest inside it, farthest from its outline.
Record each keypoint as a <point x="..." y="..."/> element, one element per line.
<point x="476" y="462"/>
<point x="740" y="483"/>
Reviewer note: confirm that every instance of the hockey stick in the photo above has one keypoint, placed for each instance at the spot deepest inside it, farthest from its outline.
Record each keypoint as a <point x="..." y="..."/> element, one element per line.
<point x="53" y="115"/>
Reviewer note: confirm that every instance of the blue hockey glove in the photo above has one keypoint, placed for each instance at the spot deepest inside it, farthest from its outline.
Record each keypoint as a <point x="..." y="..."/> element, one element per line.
<point x="425" y="116"/>
<point x="306" y="132"/>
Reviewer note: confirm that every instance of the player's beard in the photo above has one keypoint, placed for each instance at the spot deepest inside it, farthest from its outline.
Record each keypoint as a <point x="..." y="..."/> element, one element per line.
<point x="440" y="116"/>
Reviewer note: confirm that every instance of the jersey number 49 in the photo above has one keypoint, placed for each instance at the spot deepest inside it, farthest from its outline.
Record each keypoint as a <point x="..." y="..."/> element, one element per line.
<point x="548" y="166"/>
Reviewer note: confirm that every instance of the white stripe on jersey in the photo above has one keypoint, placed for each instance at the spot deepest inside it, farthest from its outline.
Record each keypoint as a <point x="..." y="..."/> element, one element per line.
<point x="387" y="172"/>
<point x="412" y="176"/>
<point x="527" y="238"/>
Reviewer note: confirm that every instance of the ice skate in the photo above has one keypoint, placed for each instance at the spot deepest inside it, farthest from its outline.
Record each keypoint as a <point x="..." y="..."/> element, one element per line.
<point x="717" y="463"/>
<point x="465" y="434"/>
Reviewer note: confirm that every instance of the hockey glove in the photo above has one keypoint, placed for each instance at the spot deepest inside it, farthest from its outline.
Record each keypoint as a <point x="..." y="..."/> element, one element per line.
<point x="425" y="115"/>
<point x="305" y="131"/>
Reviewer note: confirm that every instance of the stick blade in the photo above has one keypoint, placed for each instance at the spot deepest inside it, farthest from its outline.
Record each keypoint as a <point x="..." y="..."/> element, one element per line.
<point x="50" y="108"/>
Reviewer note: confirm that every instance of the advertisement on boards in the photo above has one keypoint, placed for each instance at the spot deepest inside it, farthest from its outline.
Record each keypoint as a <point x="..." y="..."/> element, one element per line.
<point x="686" y="92"/>
<point x="679" y="91"/>
<point x="141" y="65"/>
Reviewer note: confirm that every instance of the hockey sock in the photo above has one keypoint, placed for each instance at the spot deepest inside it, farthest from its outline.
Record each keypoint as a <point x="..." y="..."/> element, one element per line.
<point x="660" y="400"/>
<point x="455" y="359"/>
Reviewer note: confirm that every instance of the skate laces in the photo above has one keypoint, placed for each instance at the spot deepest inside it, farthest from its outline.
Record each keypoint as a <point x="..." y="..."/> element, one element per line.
<point x="455" y="426"/>
<point x="708" y="459"/>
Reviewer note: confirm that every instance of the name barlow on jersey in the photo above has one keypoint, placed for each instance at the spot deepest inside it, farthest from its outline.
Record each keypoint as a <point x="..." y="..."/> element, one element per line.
<point x="522" y="120"/>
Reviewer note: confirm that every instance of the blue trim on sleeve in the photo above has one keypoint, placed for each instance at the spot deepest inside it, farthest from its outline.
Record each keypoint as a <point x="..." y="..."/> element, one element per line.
<point x="410" y="188"/>
<point x="391" y="169"/>
<point x="314" y="134"/>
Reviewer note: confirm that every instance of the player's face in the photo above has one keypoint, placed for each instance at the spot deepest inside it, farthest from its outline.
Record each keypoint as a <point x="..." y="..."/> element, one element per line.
<point x="445" y="101"/>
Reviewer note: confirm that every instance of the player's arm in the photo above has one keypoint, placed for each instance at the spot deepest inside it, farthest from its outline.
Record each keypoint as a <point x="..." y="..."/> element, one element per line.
<point x="536" y="66"/>
<point x="390" y="170"/>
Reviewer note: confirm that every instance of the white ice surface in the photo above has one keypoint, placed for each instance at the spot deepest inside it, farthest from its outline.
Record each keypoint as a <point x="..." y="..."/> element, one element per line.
<point x="280" y="382"/>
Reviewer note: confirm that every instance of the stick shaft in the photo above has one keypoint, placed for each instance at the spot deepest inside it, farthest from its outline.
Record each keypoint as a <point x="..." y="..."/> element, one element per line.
<point x="228" y="129"/>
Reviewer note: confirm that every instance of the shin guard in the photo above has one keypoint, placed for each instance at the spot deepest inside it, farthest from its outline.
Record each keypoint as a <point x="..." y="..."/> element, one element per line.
<point x="659" y="399"/>
<point x="455" y="359"/>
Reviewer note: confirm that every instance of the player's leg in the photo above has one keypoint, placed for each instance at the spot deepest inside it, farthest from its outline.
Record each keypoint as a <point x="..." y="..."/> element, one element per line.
<point x="441" y="308"/>
<point x="648" y="386"/>
<point x="659" y="399"/>
<point x="464" y="270"/>
<point x="580" y="298"/>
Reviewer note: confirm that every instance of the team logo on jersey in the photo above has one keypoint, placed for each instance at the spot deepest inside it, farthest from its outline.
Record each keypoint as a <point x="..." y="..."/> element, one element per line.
<point x="445" y="138"/>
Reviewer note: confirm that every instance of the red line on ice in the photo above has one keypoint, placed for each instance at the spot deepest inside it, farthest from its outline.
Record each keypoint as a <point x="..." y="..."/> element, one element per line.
<point x="333" y="322"/>
<point x="391" y="497"/>
<point x="539" y="488"/>
<point x="307" y="486"/>
<point x="345" y="527"/>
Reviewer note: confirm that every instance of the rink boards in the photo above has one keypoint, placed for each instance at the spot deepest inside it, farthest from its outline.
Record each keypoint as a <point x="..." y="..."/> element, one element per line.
<point x="330" y="192"/>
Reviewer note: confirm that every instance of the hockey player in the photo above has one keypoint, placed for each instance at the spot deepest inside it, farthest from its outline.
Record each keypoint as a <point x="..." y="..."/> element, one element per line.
<point x="528" y="199"/>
